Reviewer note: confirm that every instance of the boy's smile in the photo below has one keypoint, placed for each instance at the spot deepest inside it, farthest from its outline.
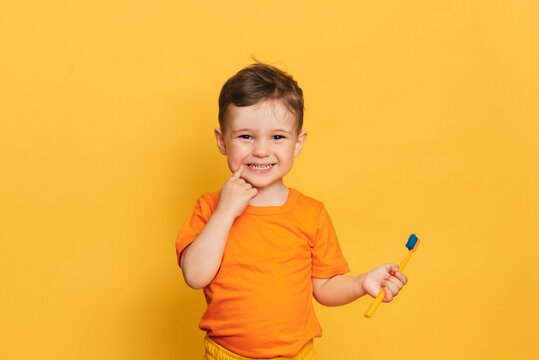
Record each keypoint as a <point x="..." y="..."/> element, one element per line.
<point x="260" y="168"/>
<point x="264" y="139"/>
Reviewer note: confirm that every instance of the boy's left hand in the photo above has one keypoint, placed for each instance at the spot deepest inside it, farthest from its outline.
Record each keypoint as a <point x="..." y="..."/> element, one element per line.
<point x="386" y="277"/>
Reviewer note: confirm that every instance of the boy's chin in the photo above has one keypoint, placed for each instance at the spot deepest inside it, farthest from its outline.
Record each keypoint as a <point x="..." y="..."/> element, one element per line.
<point x="263" y="184"/>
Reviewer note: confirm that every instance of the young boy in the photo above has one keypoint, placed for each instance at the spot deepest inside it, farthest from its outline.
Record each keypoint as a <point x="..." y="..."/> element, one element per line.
<point x="259" y="249"/>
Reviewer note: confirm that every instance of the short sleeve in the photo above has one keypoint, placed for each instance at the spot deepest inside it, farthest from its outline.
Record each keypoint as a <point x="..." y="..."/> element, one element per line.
<point x="327" y="257"/>
<point x="194" y="224"/>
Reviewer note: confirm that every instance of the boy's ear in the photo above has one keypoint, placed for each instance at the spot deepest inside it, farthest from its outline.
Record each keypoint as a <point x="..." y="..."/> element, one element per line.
<point x="220" y="140"/>
<point x="302" y="137"/>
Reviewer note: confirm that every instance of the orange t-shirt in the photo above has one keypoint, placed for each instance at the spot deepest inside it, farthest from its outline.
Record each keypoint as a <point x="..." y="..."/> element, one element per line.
<point x="260" y="301"/>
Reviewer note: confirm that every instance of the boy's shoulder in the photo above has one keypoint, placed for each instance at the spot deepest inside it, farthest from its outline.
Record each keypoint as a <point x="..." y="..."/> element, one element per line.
<point x="306" y="198"/>
<point x="310" y="212"/>
<point x="210" y="198"/>
<point x="308" y="202"/>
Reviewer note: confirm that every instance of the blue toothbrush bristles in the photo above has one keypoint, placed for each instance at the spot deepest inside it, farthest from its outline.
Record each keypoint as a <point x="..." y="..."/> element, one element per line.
<point x="412" y="240"/>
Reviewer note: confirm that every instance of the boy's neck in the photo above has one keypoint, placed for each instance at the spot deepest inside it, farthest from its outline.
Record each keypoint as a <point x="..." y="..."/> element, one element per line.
<point x="275" y="194"/>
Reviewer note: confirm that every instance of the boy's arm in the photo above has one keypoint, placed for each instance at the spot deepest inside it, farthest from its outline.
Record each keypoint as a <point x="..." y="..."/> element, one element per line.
<point x="200" y="261"/>
<point x="342" y="289"/>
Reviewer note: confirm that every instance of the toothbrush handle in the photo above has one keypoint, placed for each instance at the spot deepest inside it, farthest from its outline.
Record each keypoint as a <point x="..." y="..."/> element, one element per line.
<point x="405" y="261"/>
<point x="378" y="299"/>
<point x="375" y="303"/>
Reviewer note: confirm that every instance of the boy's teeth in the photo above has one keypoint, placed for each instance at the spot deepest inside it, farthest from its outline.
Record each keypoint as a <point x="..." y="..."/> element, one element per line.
<point x="261" y="167"/>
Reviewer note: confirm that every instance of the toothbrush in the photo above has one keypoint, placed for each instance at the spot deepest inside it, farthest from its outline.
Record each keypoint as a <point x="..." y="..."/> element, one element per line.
<point x="411" y="245"/>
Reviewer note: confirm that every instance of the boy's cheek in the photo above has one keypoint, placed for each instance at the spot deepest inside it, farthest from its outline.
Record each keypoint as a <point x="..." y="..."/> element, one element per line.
<point x="236" y="154"/>
<point x="233" y="163"/>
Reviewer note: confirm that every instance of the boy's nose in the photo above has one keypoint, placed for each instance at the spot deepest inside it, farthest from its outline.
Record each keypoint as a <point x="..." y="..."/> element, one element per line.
<point x="261" y="149"/>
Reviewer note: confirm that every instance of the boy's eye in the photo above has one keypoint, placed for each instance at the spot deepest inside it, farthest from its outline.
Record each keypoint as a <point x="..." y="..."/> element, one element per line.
<point x="246" y="137"/>
<point x="278" y="137"/>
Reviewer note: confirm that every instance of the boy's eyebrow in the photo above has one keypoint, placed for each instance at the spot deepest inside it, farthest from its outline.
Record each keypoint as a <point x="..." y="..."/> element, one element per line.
<point x="247" y="129"/>
<point x="283" y="131"/>
<point x="240" y="130"/>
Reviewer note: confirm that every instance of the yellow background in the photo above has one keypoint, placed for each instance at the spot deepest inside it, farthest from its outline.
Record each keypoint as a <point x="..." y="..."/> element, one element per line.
<point x="422" y="116"/>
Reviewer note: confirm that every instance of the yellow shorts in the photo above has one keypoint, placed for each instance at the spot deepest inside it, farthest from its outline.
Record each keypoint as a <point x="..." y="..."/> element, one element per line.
<point x="215" y="351"/>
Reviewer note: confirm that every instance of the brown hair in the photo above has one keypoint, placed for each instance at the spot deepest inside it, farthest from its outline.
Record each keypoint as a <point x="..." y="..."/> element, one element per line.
<point x="259" y="82"/>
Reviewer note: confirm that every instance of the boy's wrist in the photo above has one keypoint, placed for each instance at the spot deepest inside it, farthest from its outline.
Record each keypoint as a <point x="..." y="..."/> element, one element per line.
<point x="361" y="284"/>
<point x="223" y="216"/>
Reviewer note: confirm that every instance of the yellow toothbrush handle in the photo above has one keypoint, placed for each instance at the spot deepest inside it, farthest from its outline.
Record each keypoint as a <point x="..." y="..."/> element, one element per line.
<point x="378" y="299"/>
<point x="375" y="303"/>
<point x="405" y="261"/>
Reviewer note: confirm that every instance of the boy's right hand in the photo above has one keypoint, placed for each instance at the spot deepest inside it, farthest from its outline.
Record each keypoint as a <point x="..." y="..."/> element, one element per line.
<point x="235" y="195"/>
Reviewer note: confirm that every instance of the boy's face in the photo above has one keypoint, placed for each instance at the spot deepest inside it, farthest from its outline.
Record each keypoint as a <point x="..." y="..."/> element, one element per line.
<point x="263" y="138"/>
